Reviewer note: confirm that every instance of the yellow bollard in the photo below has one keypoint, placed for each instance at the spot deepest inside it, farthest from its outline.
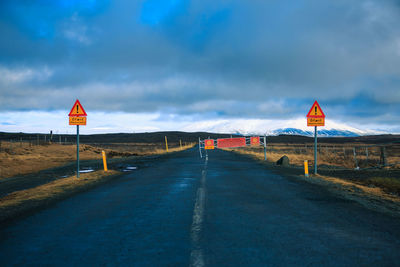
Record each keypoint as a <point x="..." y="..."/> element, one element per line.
<point x="166" y="143"/>
<point x="306" y="168"/>
<point x="104" y="160"/>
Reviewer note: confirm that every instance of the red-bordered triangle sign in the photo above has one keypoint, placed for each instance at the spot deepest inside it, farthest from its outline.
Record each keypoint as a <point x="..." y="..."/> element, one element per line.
<point x="315" y="111"/>
<point x="77" y="110"/>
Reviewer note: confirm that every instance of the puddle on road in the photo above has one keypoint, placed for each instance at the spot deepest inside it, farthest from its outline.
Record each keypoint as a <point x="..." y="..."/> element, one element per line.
<point x="129" y="169"/>
<point x="86" y="171"/>
<point x="183" y="183"/>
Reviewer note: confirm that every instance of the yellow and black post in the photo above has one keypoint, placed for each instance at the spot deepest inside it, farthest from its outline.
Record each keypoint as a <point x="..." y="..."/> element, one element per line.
<point x="306" y="168"/>
<point x="104" y="160"/>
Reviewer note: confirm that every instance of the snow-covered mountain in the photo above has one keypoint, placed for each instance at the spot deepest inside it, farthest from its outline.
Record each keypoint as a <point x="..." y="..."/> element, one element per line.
<point x="276" y="127"/>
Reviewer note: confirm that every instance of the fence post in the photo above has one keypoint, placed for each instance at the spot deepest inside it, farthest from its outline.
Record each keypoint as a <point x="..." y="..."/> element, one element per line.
<point x="383" y="160"/>
<point x="366" y="153"/>
<point x="355" y="158"/>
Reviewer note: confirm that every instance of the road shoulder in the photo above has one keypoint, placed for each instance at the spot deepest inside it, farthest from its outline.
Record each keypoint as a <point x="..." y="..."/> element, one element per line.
<point x="369" y="196"/>
<point x="24" y="202"/>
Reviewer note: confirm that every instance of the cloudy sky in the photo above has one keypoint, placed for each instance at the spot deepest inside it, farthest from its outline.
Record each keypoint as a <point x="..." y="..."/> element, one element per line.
<point x="151" y="65"/>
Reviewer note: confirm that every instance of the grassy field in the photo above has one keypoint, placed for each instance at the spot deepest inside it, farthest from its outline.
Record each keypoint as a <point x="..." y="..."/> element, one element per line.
<point x="24" y="158"/>
<point x="330" y="155"/>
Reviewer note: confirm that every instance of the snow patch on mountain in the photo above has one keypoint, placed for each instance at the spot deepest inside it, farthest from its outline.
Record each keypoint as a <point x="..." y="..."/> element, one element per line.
<point x="276" y="127"/>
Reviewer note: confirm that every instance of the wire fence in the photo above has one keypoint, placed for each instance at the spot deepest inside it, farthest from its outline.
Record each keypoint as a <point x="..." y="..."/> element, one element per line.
<point x="10" y="145"/>
<point x="18" y="145"/>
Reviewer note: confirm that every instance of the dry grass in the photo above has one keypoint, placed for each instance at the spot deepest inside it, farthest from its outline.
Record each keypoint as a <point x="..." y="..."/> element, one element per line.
<point x="363" y="188"/>
<point x="388" y="184"/>
<point x="29" y="159"/>
<point x="374" y="198"/>
<point x="22" y="201"/>
<point x="23" y="158"/>
<point x="336" y="156"/>
<point x="160" y="151"/>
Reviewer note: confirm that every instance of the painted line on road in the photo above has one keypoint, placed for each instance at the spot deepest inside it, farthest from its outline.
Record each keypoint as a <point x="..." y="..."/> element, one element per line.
<point x="196" y="256"/>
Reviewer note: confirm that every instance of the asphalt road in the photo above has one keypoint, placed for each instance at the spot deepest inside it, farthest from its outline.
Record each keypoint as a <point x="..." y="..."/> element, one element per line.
<point x="181" y="210"/>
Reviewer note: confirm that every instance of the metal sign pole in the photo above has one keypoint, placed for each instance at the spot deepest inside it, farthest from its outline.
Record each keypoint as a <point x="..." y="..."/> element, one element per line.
<point x="265" y="147"/>
<point x="201" y="156"/>
<point x="77" y="151"/>
<point x="315" y="150"/>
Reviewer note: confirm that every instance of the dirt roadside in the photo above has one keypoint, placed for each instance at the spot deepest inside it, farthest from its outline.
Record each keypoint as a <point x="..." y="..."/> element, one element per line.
<point x="23" y="202"/>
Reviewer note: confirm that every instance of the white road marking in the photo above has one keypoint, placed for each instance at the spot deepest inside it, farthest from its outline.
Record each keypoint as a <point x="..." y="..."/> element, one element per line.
<point x="196" y="256"/>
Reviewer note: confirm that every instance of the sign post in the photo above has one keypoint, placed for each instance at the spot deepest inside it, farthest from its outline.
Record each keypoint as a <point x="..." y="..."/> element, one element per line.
<point x="201" y="156"/>
<point x="265" y="147"/>
<point x="77" y="151"/>
<point x="315" y="117"/>
<point x="77" y="116"/>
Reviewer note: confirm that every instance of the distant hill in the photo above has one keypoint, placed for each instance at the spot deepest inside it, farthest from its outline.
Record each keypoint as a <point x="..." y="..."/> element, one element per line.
<point x="175" y="136"/>
<point x="276" y="127"/>
<point x="321" y="133"/>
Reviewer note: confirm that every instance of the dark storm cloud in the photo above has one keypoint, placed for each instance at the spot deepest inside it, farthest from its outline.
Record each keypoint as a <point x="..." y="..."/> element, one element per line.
<point x="226" y="58"/>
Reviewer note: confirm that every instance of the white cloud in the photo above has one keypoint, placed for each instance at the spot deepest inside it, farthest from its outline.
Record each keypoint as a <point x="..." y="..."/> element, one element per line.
<point x="20" y="75"/>
<point x="75" y="30"/>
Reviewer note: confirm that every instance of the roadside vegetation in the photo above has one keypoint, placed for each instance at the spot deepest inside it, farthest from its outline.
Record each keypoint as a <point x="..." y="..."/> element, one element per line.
<point x="348" y="156"/>
<point x="24" y="158"/>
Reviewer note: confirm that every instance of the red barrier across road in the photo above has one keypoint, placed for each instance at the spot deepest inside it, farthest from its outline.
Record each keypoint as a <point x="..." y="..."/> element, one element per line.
<point x="231" y="142"/>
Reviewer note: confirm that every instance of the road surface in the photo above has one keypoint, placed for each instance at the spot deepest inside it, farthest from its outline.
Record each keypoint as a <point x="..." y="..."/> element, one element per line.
<point x="180" y="210"/>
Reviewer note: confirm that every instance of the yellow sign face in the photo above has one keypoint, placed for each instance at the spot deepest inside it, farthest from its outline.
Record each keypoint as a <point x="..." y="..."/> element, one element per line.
<point x="209" y="144"/>
<point x="315" y="121"/>
<point x="77" y="120"/>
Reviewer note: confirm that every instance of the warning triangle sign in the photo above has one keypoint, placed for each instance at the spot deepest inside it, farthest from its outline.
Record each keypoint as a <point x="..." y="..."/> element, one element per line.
<point x="77" y="110"/>
<point x="315" y="111"/>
